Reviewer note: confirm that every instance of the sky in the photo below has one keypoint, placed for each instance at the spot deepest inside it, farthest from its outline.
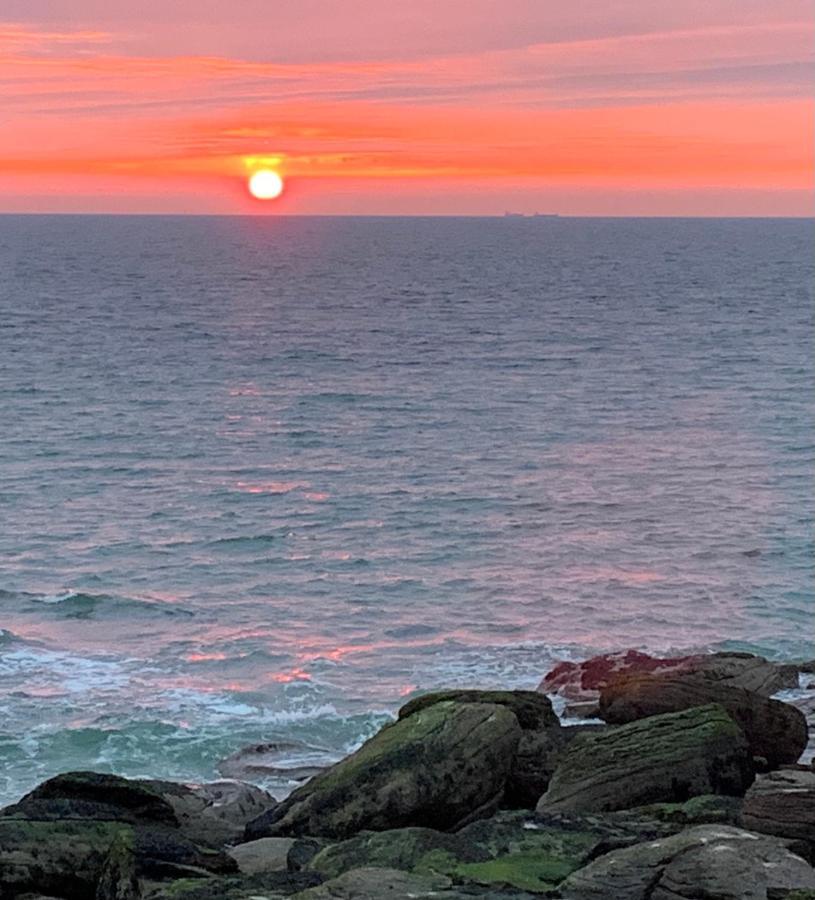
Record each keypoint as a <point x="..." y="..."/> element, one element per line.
<point x="443" y="107"/>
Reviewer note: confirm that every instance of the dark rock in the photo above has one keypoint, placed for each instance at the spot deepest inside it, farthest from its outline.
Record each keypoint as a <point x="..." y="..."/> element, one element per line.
<point x="583" y="681"/>
<point x="95" y="795"/>
<point x="783" y="803"/>
<point x="717" y="862"/>
<point x="774" y="730"/>
<point x="302" y="851"/>
<point x="64" y="859"/>
<point x="440" y="767"/>
<point x="667" y="758"/>
<point x="808" y="667"/>
<point x="267" y="886"/>
<point x="117" y="880"/>
<point x="158" y="848"/>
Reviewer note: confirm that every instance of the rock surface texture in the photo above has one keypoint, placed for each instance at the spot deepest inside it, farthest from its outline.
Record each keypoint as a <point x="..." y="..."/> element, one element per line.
<point x="583" y="681"/>
<point x="666" y="758"/>
<point x="775" y="731"/>
<point x="714" y="862"/>
<point x="440" y="768"/>
<point x="783" y="803"/>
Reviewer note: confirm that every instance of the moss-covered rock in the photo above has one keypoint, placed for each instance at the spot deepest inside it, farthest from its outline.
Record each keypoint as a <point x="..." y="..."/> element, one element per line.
<point x="775" y="731"/>
<point x="438" y="768"/>
<point x="269" y="886"/>
<point x="668" y="758"/>
<point x="118" y="880"/>
<point x="532" y="710"/>
<point x="94" y="795"/>
<point x="506" y="850"/>
<point x="65" y="859"/>
<point x="538" y="749"/>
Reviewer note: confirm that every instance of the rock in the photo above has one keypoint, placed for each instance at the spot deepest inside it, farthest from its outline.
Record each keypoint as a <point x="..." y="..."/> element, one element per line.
<point x="667" y="758"/>
<point x="439" y="768"/>
<point x="264" y="855"/>
<point x="532" y="710"/>
<point x="774" y="730"/>
<point x="783" y="803"/>
<point x="64" y="859"/>
<point x="377" y="884"/>
<point x="807" y="667"/>
<point x="583" y="681"/>
<point x="94" y="795"/>
<point x="272" y="760"/>
<point x="509" y="850"/>
<point x="117" y="880"/>
<point x="707" y="809"/>
<point x="266" y="886"/>
<point x="586" y="709"/>
<point x="538" y="748"/>
<point x="216" y="813"/>
<point x="717" y="862"/>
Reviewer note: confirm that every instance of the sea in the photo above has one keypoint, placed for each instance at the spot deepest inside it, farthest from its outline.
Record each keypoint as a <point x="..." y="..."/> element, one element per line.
<point x="264" y="478"/>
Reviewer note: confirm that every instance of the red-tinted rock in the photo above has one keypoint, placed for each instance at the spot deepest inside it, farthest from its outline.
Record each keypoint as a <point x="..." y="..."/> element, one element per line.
<point x="583" y="681"/>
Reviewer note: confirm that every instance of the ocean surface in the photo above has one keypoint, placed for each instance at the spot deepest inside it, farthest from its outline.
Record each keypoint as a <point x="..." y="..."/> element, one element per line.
<point x="263" y="478"/>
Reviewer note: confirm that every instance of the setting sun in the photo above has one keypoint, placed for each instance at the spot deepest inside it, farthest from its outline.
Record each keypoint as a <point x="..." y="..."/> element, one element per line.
<point x="265" y="185"/>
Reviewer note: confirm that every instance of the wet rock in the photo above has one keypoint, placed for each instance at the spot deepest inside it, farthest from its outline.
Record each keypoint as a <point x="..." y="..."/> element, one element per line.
<point x="783" y="803"/>
<point x="667" y="758"/>
<point x="583" y="681"/>
<point x="272" y="760"/>
<point x="775" y="731"/>
<point x="263" y="855"/>
<point x="717" y="862"/>
<point x="538" y="749"/>
<point x="440" y="768"/>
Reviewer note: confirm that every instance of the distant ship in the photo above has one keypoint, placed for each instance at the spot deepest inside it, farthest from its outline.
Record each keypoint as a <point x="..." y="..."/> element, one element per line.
<point x="537" y="215"/>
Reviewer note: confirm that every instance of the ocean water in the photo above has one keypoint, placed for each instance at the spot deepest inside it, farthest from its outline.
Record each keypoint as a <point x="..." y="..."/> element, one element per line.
<point x="261" y="479"/>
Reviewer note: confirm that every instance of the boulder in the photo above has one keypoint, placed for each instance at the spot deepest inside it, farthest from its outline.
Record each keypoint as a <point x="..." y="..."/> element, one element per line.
<point x="666" y="758"/>
<point x="783" y="803"/>
<point x="376" y="884"/>
<point x="583" y="681"/>
<point x="439" y="768"/>
<point x="216" y="813"/>
<point x="541" y="740"/>
<point x="532" y="710"/>
<point x="86" y="860"/>
<point x="94" y="795"/>
<point x="265" y="886"/>
<point x="509" y="850"/>
<point x="63" y="859"/>
<point x="717" y="862"/>
<point x="211" y="815"/>
<point x="264" y="855"/>
<point x="273" y="760"/>
<point x="774" y="730"/>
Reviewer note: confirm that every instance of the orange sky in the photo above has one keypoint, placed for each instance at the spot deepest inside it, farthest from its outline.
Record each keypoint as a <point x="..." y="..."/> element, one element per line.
<point x="471" y="107"/>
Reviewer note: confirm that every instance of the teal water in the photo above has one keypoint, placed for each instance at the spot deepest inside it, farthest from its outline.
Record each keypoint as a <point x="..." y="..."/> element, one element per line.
<point x="263" y="478"/>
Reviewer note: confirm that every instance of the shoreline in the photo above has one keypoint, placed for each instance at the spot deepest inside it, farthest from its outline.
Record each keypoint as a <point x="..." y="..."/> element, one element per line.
<point x="472" y="793"/>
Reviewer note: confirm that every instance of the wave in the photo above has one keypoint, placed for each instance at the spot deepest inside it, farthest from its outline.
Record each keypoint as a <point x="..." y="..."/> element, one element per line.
<point x="72" y="604"/>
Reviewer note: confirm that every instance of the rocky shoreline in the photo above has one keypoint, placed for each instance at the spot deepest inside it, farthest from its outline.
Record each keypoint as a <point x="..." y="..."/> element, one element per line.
<point x="689" y="781"/>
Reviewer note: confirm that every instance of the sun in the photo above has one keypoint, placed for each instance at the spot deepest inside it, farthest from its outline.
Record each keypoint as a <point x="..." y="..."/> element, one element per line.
<point x="265" y="184"/>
